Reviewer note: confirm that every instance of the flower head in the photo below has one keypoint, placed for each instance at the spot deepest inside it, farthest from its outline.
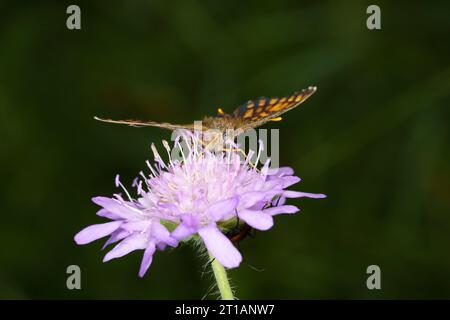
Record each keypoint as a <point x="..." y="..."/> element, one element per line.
<point x="197" y="196"/>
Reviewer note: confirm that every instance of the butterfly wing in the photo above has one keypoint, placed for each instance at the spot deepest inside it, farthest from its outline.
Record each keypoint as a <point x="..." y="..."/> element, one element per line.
<point x="139" y="123"/>
<point x="257" y="112"/>
<point x="250" y="115"/>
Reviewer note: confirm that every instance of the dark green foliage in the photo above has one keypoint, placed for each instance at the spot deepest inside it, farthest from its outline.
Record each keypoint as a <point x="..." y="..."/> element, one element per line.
<point x="374" y="138"/>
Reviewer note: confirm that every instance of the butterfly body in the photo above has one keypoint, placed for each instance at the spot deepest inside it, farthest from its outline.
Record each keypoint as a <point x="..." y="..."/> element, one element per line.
<point x="223" y="122"/>
<point x="250" y="115"/>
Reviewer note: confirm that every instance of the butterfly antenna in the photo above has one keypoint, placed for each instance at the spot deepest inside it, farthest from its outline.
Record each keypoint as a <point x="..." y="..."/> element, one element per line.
<point x="105" y="120"/>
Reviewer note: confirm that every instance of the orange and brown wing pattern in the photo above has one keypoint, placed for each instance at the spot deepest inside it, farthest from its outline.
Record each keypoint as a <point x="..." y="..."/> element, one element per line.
<point x="257" y="112"/>
<point x="250" y="115"/>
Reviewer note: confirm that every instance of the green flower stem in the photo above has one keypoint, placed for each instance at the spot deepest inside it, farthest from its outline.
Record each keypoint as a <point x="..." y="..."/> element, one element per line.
<point x="222" y="280"/>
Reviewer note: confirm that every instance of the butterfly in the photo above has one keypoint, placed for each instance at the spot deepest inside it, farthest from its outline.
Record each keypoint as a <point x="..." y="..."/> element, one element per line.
<point x="249" y="115"/>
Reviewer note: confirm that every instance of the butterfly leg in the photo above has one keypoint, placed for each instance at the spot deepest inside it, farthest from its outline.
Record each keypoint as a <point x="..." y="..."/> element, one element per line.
<point x="209" y="144"/>
<point x="239" y="150"/>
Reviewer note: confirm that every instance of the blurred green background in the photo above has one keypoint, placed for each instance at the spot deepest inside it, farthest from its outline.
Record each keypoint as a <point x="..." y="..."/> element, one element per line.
<point x="374" y="138"/>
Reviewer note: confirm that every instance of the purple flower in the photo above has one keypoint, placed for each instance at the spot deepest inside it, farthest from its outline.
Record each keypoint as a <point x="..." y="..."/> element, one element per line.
<point x="196" y="197"/>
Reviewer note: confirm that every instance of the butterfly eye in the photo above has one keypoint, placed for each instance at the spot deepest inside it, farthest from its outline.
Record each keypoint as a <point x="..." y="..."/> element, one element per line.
<point x="276" y="119"/>
<point x="220" y="111"/>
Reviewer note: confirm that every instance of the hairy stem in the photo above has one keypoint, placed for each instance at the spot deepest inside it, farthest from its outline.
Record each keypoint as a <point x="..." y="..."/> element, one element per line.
<point x="221" y="279"/>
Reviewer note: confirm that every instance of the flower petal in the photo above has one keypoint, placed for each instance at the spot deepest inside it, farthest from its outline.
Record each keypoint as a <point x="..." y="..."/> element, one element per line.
<point x="147" y="259"/>
<point x="96" y="231"/>
<point x="134" y="242"/>
<point x="289" y="181"/>
<point x="220" y="246"/>
<point x="161" y="246"/>
<point x="182" y="231"/>
<point x="170" y="207"/>
<point x="279" y="201"/>
<point x="248" y="199"/>
<point x="106" y="214"/>
<point x="159" y="232"/>
<point x="279" y="172"/>
<point x="221" y="208"/>
<point x="281" y="209"/>
<point x="116" y="207"/>
<point x="274" y="184"/>
<point x="256" y="219"/>
<point x="186" y="228"/>
<point x="298" y="194"/>
<point x="117" y="235"/>
<point x="136" y="226"/>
